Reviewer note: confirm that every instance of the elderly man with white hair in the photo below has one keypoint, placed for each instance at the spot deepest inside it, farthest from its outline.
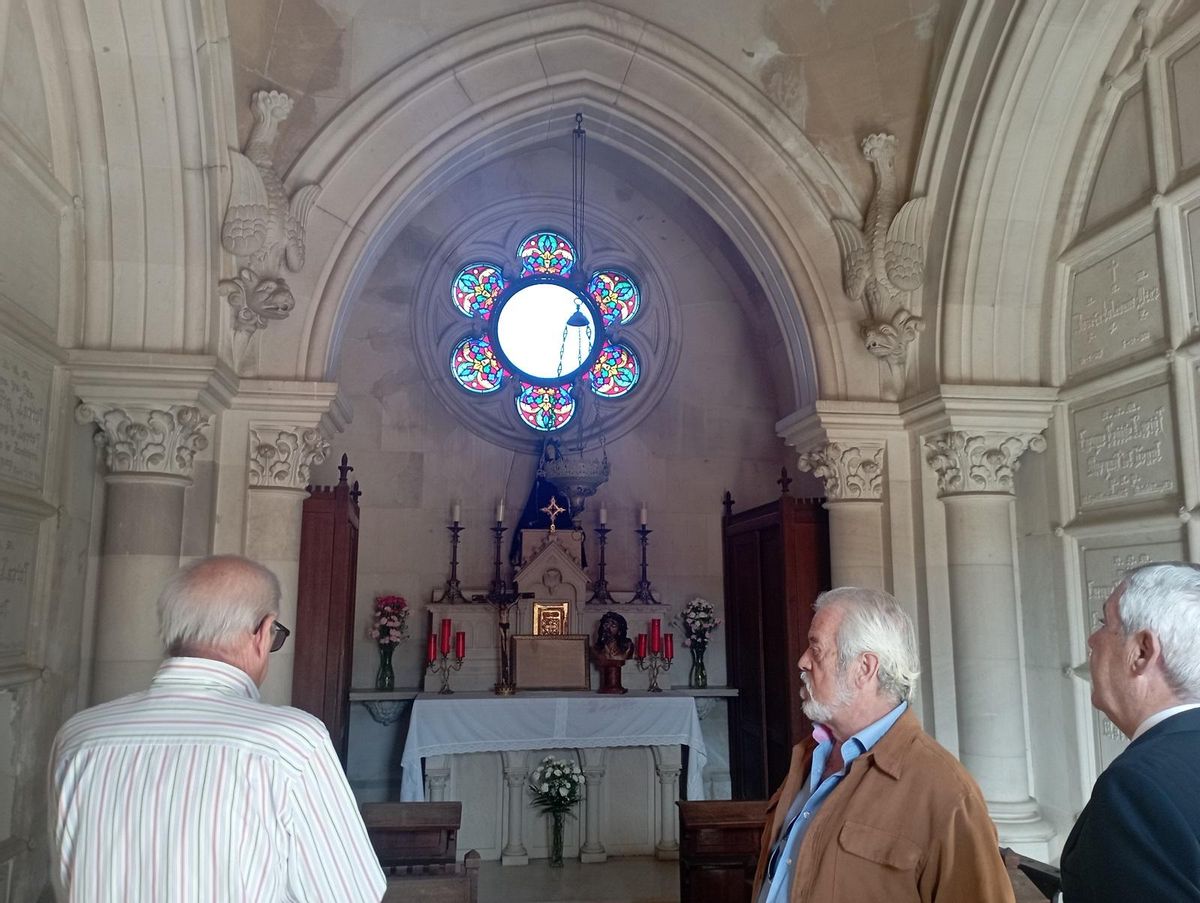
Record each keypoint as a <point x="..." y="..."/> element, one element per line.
<point x="1138" y="838"/>
<point x="196" y="790"/>
<point x="873" y="808"/>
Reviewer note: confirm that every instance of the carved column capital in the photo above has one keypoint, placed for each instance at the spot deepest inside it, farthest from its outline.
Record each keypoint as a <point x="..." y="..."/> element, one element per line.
<point x="848" y="471"/>
<point x="148" y="440"/>
<point x="281" y="457"/>
<point x="983" y="461"/>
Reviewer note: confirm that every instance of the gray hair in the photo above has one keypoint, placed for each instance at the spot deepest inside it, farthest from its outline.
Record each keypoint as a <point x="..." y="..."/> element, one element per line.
<point x="873" y="621"/>
<point x="1164" y="598"/>
<point x="211" y="601"/>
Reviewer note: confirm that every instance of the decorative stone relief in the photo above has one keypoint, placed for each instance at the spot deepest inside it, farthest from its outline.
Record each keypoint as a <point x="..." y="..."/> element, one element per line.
<point x="282" y="458"/>
<point x="263" y="226"/>
<point x="148" y="441"/>
<point x="1125" y="449"/>
<point x="978" y="462"/>
<point x="883" y="261"/>
<point x="25" y="385"/>
<point x="848" y="472"/>
<point x="18" y="556"/>
<point x="1116" y="306"/>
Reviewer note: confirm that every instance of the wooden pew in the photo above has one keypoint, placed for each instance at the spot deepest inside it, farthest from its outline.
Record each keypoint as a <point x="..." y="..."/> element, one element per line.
<point x="417" y="845"/>
<point x="718" y="852"/>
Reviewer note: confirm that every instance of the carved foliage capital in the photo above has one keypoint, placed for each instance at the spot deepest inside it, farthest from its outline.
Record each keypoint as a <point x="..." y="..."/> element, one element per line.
<point x="281" y="458"/>
<point x="148" y="440"/>
<point x="848" y="472"/>
<point x="978" y="461"/>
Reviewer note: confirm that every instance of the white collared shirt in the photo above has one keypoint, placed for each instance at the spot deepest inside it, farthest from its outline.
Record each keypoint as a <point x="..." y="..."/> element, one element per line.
<point x="195" y="790"/>
<point x="1160" y="717"/>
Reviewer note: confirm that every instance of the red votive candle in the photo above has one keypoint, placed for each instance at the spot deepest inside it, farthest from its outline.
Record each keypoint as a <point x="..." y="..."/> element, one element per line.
<point x="669" y="646"/>
<point x="460" y="645"/>
<point x="641" y="645"/>
<point x="445" y="636"/>
<point x="432" y="648"/>
<point x="656" y="634"/>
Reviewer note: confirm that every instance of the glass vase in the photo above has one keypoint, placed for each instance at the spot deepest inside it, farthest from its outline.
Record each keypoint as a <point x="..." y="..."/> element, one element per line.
<point x="555" y="860"/>
<point x="698" y="675"/>
<point x="385" y="677"/>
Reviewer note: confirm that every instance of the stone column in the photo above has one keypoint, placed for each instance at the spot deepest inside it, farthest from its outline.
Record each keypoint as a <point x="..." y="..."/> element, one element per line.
<point x="668" y="765"/>
<point x="149" y="453"/>
<point x="975" y="472"/>
<point x="280" y="458"/>
<point x="853" y="478"/>
<point x="437" y="776"/>
<point x="516" y="775"/>
<point x="594" y="770"/>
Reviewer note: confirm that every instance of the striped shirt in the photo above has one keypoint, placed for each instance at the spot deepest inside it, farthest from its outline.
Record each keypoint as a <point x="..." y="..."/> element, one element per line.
<point x="195" y="790"/>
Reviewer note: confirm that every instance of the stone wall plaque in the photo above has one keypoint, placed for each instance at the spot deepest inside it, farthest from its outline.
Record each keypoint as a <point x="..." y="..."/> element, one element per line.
<point x="1191" y="238"/>
<point x="25" y="386"/>
<point x="1184" y="73"/>
<point x="18" y="557"/>
<point x="1116" y="307"/>
<point x="1104" y="563"/>
<point x="1124" y="449"/>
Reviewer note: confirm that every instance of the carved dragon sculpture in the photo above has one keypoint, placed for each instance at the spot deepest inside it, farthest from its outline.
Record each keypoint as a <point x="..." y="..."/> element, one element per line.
<point x="262" y="225"/>
<point x="883" y="260"/>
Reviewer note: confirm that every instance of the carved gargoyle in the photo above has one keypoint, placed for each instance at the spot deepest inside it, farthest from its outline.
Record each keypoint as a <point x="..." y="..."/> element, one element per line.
<point x="262" y="225"/>
<point x="884" y="260"/>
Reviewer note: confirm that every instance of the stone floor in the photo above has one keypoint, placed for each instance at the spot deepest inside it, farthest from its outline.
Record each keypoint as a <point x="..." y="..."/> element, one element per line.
<point x="632" y="880"/>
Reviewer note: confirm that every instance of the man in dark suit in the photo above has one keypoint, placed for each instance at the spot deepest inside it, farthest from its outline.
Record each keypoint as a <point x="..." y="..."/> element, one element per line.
<point x="1138" y="838"/>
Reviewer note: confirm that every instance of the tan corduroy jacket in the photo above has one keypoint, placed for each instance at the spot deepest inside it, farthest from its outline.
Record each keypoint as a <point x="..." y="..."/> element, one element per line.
<point x="906" y="823"/>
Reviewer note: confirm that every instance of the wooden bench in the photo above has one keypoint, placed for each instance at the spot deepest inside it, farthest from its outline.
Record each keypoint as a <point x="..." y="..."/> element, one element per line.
<point x="417" y="845"/>
<point x="720" y="840"/>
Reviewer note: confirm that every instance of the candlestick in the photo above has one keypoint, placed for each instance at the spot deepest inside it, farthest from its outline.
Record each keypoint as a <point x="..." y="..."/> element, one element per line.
<point x="669" y="646"/>
<point x="600" y="593"/>
<point x="656" y="634"/>
<point x="460" y="644"/>
<point x="654" y="662"/>
<point x="445" y="636"/>
<point x="444" y="666"/>
<point x="643" y="592"/>
<point x="453" y="593"/>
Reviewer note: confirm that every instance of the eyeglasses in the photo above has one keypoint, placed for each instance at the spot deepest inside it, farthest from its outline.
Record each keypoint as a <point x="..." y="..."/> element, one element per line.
<point x="279" y="634"/>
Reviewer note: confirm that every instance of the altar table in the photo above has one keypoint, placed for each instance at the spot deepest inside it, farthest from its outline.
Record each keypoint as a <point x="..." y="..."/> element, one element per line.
<point x="532" y="721"/>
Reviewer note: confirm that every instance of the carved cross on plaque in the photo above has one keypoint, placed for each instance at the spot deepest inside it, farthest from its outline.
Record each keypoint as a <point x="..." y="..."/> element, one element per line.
<point x="553" y="510"/>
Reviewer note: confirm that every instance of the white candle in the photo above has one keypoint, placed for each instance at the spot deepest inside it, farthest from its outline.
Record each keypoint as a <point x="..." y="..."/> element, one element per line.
<point x="603" y="516"/>
<point x="500" y="511"/>
<point x="456" y="512"/>
<point x="643" y="513"/>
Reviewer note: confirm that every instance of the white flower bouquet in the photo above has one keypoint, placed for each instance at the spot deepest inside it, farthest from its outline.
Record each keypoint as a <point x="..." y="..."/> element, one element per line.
<point x="698" y="619"/>
<point x="556" y="785"/>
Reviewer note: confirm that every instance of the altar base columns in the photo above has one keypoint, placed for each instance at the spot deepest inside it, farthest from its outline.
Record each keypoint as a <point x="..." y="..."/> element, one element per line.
<point x="594" y="770"/>
<point x="667" y="765"/>
<point x="516" y="777"/>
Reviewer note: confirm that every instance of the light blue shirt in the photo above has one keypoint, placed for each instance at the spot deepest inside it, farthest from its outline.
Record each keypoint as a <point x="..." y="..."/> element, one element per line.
<point x="810" y="798"/>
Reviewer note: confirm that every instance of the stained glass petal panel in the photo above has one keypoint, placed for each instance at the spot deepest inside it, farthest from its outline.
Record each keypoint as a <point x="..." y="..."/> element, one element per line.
<point x="475" y="365"/>
<point x="616" y="294"/>
<point x="546" y="254"/>
<point x="476" y="288"/>
<point x="545" y="408"/>
<point x="615" y="372"/>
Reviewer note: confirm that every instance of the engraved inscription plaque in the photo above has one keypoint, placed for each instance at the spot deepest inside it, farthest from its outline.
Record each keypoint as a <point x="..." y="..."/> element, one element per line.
<point x="25" y="384"/>
<point x="1116" y="306"/>
<point x="1103" y="566"/>
<point x="18" y="552"/>
<point x="1125" y="449"/>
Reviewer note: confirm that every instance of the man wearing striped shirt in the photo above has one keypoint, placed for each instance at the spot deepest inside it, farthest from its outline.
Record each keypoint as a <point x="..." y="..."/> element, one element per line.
<point x="196" y="790"/>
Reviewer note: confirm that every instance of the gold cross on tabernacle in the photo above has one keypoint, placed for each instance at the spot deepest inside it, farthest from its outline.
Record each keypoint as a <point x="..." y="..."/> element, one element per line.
<point x="553" y="510"/>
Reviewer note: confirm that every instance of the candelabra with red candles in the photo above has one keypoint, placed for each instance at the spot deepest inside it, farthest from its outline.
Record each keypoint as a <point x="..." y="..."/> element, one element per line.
<point x="655" y="652"/>
<point x="438" y="661"/>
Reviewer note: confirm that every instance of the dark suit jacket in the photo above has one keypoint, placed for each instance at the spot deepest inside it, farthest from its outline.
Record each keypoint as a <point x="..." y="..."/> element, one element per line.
<point x="1138" y="838"/>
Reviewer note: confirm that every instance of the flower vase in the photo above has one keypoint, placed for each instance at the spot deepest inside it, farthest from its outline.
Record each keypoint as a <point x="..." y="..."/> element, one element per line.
<point x="698" y="675"/>
<point x="385" y="677"/>
<point x="556" y="840"/>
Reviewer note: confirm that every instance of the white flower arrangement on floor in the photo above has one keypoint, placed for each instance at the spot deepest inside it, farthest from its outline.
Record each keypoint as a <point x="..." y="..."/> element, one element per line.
<point x="556" y="785"/>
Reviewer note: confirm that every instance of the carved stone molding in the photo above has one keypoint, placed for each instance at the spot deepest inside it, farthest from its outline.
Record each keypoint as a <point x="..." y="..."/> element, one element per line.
<point x="263" y="228"/>
<point x="884" y="260"/>
<point x="281" y="458"/>
<point x="848" y="472"/>
<point x="148" y="440"/>
<point x="978" y="462"/>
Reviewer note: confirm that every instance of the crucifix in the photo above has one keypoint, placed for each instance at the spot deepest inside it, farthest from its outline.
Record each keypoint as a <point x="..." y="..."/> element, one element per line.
<point x="553" y="510"/>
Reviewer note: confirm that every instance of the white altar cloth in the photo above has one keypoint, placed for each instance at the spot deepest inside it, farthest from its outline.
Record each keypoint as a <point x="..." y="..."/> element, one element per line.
<point x="442" y="726"/>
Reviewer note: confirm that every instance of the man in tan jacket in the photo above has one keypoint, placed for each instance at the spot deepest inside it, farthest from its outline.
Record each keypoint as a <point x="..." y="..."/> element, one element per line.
<point x="873" y="809"/>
